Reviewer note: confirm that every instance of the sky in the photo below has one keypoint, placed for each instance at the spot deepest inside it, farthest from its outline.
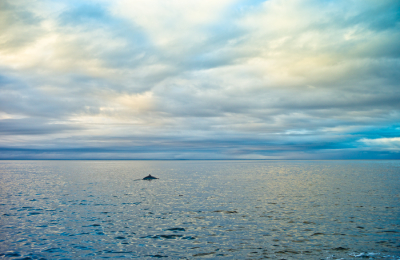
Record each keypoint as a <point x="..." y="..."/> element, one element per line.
<point x="195" y="79"/>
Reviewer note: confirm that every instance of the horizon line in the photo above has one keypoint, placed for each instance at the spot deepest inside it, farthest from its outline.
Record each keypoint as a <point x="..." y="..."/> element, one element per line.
<point x="387" y="159"/>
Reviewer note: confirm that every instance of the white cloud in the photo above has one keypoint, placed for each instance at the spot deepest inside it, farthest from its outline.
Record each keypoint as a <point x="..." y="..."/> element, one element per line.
<point x="389" y="144"/>
<point x="173" y="24"/>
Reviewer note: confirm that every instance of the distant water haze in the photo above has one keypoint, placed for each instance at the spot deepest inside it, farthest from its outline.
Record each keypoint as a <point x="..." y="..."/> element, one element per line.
<point x="212" y="209"/>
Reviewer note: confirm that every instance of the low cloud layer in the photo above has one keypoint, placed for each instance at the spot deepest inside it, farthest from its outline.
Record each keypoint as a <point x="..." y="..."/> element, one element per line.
<point x="225" y="79"/>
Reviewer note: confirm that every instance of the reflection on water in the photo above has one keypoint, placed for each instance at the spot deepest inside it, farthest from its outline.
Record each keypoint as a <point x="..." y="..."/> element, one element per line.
<point x="200" y="209"/>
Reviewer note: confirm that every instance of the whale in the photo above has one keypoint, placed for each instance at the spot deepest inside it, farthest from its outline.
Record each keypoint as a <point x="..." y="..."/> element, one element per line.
<point x="149" y="178"/>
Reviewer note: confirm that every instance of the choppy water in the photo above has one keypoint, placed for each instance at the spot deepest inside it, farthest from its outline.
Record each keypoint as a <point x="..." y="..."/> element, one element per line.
<point x="200" y="209"/>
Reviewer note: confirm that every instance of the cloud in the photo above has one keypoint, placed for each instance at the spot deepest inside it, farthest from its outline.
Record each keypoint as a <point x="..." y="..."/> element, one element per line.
<point x="221" y="79"/>
<point x="386" y="144"/>
<point x="19" y="25"/>
<point x="29" y="126"/>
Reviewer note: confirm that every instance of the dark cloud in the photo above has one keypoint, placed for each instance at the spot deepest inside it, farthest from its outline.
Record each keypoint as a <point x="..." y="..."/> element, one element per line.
<point x="220" y="148"/>
<point x="33" y="126"/>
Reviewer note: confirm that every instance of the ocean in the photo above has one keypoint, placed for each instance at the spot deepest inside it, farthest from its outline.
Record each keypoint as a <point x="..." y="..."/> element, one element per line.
<point x="200" y="209"/>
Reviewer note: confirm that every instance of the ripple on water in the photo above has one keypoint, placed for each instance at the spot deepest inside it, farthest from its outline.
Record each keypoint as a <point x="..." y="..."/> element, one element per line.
<point x="175" y="229"/>
<point x="169" y="237"/>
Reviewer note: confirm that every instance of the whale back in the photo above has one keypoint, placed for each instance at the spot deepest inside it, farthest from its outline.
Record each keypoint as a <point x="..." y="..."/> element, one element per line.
<point x="150" y="178"/>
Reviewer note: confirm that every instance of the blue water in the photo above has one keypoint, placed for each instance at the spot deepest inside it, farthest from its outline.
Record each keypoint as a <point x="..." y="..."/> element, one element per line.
<point x="200" y="209"/>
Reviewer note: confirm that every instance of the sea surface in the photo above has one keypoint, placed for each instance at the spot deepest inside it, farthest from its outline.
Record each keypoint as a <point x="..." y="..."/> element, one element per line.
<point x="200" y="209"/>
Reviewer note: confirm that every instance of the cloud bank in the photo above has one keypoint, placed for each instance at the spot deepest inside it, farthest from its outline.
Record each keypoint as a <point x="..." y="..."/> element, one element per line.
<point x="224" y="79"/>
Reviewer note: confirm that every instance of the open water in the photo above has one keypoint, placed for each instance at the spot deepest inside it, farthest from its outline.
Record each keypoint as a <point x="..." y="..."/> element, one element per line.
<point x="200" y="209"/>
